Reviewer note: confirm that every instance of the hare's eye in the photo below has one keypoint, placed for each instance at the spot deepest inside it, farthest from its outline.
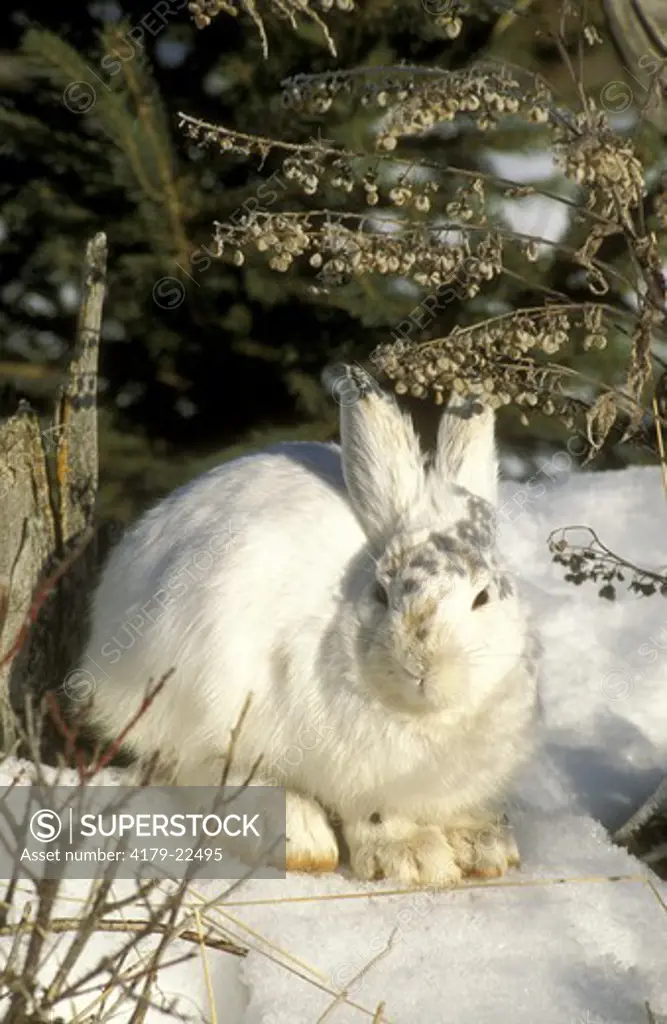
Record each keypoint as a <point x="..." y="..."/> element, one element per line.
<point x="380" y="595"/>
<point x="481" y="599"/>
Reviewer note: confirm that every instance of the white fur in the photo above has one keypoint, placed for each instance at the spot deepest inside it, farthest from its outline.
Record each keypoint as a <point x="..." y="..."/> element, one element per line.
<point x="257" y="578"/>
<point x="468" y="455"/>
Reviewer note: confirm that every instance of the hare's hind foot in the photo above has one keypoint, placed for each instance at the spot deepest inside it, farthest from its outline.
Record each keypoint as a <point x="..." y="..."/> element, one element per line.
<point x="311" y="843"/>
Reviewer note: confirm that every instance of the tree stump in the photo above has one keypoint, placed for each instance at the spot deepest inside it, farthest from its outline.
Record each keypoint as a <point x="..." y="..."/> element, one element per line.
<point x="48" y="489"/>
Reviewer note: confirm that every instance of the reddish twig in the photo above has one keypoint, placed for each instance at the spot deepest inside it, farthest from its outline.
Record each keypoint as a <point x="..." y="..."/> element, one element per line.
<point x="116" y="744"/>
<point x="68" y="733"/>
<point x="43" y="592"/>
<point x="85" y="772"/>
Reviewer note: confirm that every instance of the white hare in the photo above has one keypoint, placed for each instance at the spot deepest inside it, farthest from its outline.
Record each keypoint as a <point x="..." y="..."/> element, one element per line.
<point x="355" y="592"/>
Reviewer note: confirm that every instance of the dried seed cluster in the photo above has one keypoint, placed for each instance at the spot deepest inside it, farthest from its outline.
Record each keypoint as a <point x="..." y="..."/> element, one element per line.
<point x="340" y="250"/>
<point x="503" y="359"/>
<point x="203" y="12"/>
<point x="605" y="165"/>
<point x="450" y="24"/>
<point x="310" y="168"/>
<point x="591" y="244"/>
<point x="597" y="563"/>
<point x="283" y="236"/>
<point x="417" y="100"/>
<point x="639" y="373"/>
<point x="594" y="327"/>
<point x="661" y="204"/>
<point x="314" y="164"/>
<point x="485" y="96"/>
<point x="205" y="134"/>
<point x="468" y="202"/>
<point x="495" y="359"/>
<point x="584" y="565"/>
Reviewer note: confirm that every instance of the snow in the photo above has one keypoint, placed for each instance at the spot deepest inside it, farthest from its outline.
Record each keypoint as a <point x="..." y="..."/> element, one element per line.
<point x="525" y="167"/>
<point x="538" y="216"/>
<point x="579" y="933"/>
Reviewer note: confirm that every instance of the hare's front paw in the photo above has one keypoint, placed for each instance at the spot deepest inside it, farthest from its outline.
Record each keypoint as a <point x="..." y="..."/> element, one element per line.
<point x="311" y="843"/>
<point x="484" y="849"/>
<point x="400" y="850"/>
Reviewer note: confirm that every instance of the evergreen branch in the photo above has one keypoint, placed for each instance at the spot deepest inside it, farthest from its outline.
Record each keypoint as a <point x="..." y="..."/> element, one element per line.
<point x="63" y="63"/>
<point x="66" y="66"/>
<point x="145" y="103"/>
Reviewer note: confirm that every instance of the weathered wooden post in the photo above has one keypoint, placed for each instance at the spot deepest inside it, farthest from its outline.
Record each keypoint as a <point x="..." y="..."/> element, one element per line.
<point x="48" y="488"/>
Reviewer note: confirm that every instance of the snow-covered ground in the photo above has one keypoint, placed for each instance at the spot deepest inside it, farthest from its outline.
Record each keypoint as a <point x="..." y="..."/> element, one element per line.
<point x="579" y="934"/>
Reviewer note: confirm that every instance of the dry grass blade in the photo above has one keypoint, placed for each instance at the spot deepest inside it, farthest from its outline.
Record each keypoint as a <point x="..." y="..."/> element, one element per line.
<point x="342" y="997"/>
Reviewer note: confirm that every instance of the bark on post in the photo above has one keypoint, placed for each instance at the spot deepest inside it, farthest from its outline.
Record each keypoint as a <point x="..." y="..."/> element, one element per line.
<point x="48" y="487"/>
<point x="27" y="540"/>
<point x="76" y="412"/>
<point x="645" y="833"/>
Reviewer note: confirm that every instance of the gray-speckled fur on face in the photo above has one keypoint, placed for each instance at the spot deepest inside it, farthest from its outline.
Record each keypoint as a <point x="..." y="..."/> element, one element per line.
<point x="440" y="553"/>
<point x="464" y="548"/>
<point x="422" y="561"/>
<point x="477" y="527"/>
<point x="467" y="557"/>
<point x="449" y="552"/>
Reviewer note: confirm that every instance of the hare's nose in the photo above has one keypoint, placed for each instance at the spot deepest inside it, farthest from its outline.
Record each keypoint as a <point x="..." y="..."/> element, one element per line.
<point x="416" y="617"/>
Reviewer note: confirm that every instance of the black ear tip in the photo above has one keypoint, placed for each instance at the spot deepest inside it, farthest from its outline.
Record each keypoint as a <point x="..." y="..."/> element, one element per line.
<point x="332" y="374"/>
<point x="347" y="383"/>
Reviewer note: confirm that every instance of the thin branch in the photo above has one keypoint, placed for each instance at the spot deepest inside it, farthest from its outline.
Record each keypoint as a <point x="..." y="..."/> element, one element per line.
<point x="264" y="144"/>
<point x="44" y="591"/>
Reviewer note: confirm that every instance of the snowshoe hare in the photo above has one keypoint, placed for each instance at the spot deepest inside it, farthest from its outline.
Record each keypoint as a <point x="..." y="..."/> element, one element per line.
<point x="355" y="592"/>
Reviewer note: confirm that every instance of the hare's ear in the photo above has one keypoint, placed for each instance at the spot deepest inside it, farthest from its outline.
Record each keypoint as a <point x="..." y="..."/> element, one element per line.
<point x="466" y="448"/>
<point x="382" y="458"/>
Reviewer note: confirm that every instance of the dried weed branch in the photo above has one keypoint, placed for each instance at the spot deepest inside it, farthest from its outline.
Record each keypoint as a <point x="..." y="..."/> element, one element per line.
<point x="33" y="930"/>
<point x="594" y="561"/>
<point x="203" y="11"/>
<point x="408" y="226"/>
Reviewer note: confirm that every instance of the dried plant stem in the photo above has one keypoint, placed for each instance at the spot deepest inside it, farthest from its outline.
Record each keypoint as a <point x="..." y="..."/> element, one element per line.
<point x="342" y="997"/>
<point x="661" y="444"/>
<point x="264" y="145"/>
<point x="61" y="925"/>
